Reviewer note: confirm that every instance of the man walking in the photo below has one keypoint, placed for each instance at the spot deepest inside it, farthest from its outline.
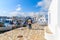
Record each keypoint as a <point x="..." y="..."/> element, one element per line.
<point x="29" y="23"/>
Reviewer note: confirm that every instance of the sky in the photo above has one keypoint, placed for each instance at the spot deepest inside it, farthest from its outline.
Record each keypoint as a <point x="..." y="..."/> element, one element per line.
<point x="20" y="7"/>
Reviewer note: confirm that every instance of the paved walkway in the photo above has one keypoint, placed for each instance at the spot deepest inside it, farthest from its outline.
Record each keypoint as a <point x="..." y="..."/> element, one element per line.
<point x="24" y="34"/>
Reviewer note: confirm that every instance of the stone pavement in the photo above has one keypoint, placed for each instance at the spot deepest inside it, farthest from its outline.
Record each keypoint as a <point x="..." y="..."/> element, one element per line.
<point x="24" y="34"/>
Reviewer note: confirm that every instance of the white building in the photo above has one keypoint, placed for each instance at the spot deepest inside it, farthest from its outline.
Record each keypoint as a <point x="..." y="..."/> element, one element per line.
<point x="42" y="20"/>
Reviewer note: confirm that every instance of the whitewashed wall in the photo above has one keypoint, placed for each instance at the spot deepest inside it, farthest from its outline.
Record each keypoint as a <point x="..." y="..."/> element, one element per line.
<point x="52" y="20"/>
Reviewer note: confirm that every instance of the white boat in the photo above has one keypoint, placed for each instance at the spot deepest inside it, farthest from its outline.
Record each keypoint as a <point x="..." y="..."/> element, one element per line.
<point x="6" y="25"/>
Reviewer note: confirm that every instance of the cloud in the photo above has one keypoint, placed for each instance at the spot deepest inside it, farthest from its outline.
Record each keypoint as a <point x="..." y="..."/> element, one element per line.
<point x="33" y="14"/>
<point x="39" y="4"/>
<point x="4" y="12"/>
<point x="44" y="4"/>
<point x="47" y="3"/>
<point x="18" y="7"/>
<point x="30" y="13"/>
<point x="15" y="13"/>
